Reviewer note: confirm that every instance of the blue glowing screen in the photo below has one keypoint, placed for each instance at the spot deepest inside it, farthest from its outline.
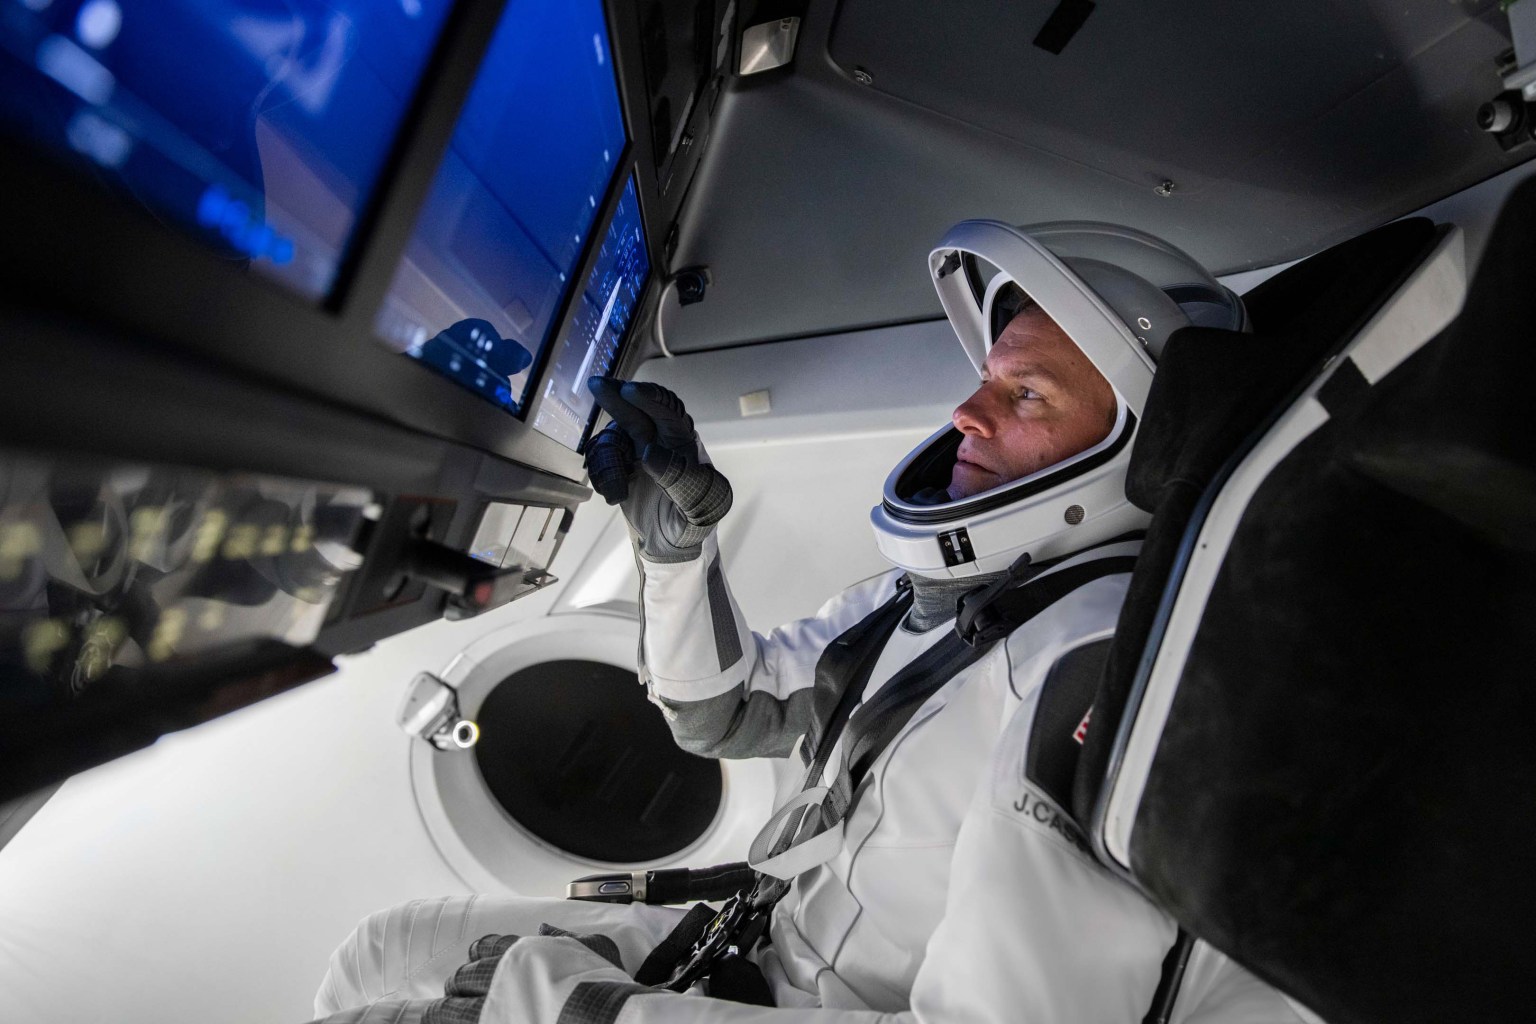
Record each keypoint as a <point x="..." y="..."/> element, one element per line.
<point x="259" y="125"/>
<point x="590" y="339"/>
<point x="513" y="202"/>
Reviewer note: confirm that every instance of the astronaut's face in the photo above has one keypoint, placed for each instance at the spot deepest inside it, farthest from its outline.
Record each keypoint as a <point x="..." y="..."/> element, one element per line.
<point x="1040" y="401"/>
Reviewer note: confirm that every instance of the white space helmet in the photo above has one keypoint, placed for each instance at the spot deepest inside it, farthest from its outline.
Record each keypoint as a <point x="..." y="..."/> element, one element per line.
<point x="1118" y="293"/>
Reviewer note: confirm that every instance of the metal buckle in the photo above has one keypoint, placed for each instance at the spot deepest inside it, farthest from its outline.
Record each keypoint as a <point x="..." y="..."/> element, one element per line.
<point x="975" y="620"/>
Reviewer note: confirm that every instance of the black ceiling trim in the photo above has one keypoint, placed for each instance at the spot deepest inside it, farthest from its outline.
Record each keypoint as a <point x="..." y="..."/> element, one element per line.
<point x="1063" y="24"/>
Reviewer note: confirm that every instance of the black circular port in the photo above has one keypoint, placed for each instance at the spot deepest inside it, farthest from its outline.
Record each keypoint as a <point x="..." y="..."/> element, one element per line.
<point x="1496" y="116"/>
<point x="577" y="756"/>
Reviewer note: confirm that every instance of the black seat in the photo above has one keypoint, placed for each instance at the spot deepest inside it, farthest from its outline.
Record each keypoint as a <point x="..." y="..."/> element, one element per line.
<point x="1342" y="794"/>
<point x="1213" y="393"/>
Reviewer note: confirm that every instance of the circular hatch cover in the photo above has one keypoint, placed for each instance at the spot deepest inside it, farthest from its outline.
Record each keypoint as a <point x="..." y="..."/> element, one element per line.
<point x="577" y="756"/>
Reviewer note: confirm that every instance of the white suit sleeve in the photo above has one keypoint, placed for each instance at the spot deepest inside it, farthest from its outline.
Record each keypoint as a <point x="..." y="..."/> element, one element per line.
<point x="727" y="691"/>
<point x="1034" y="932"/>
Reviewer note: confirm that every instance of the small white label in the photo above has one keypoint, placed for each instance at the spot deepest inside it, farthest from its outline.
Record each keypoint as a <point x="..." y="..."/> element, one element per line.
<point x="756" y="403"/>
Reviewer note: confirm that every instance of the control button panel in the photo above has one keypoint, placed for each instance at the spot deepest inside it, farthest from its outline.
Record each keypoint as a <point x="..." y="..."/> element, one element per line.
<point x="110" y="571"/>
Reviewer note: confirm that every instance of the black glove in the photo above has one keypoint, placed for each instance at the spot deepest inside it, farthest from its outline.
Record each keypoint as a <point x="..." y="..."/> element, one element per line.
<point x="677" y="498"/>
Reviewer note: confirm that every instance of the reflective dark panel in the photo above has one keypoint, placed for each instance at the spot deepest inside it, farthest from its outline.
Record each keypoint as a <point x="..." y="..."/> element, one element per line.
<point x="577" y="756"/>
<point x="259" y="126"/>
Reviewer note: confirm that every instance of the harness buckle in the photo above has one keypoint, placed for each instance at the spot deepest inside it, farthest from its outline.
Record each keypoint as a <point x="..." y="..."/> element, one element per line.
<point x="733" y="932"/>
<point x="976" y="621"/>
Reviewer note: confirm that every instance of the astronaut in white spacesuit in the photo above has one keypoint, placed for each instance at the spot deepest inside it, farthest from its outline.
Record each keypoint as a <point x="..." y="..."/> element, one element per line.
<point x="938" y="879"/>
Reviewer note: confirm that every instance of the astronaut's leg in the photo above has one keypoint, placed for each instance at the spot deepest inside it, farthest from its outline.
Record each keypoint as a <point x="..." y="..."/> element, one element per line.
<point x="409" y="951"/>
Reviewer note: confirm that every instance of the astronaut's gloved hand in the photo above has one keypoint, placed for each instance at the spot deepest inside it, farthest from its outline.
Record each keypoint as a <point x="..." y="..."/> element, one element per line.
<point x="464" y="994"/>
<point x="649" y="462"/>
<point x="551" y="978"/>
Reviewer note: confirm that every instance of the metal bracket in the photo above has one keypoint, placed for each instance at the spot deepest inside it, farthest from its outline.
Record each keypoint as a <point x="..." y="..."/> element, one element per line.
<point x="430" y="712"/>
<point x="621" y="887"/>
<point x="768" y="46"/>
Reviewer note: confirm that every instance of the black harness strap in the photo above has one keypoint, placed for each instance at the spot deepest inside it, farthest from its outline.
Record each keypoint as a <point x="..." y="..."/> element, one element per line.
<point x="844" y="669"/>
<point x="673" y="949"/>
<point x="870" y="729"/>
<point x="879" y="721"/>
<point x="988" y="615"/>
<point x="1172" y="977"/>
<point x="875" y="724"/>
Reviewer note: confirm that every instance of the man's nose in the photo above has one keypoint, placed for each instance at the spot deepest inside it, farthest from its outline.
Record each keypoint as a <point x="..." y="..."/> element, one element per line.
<point x="970" y="416"/>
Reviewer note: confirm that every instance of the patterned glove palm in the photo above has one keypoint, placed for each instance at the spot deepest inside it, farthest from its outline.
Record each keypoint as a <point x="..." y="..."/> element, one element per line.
<point x="677" y="497"/>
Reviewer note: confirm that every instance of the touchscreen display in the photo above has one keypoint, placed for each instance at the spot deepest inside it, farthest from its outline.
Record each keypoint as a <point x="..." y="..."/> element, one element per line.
<point x="599" y="320"/>
<point x="259" y="127"/>
<point x="512" y="206"/>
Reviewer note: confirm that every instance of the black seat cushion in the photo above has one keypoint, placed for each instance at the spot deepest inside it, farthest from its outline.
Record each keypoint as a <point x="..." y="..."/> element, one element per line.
<point x="1212" y="393"/>
<point x="1343" y="795"/>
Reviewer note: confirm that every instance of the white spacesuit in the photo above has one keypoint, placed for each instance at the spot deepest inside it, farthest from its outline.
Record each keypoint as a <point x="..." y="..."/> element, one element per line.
<point x="946" y="884"/>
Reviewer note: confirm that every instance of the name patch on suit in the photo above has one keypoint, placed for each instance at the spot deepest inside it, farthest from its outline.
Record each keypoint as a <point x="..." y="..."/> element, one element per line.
<point x="1044" y="816"/>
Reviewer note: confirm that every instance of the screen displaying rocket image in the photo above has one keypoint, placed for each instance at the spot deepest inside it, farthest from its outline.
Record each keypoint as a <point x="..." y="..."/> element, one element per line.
<point x="513" y="205"/>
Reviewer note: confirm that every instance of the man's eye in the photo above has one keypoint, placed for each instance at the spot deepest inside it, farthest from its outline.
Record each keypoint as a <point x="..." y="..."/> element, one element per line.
<point x="1025" y="394"/>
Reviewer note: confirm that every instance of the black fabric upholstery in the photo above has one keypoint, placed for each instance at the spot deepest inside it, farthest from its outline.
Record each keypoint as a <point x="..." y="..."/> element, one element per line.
<point x="1458" y="434"/>
<point x="1342" y="798"/>
<point x="1213" y="391"/>
<point x="741" y="981"/>
<point x="1054" y="747"/>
